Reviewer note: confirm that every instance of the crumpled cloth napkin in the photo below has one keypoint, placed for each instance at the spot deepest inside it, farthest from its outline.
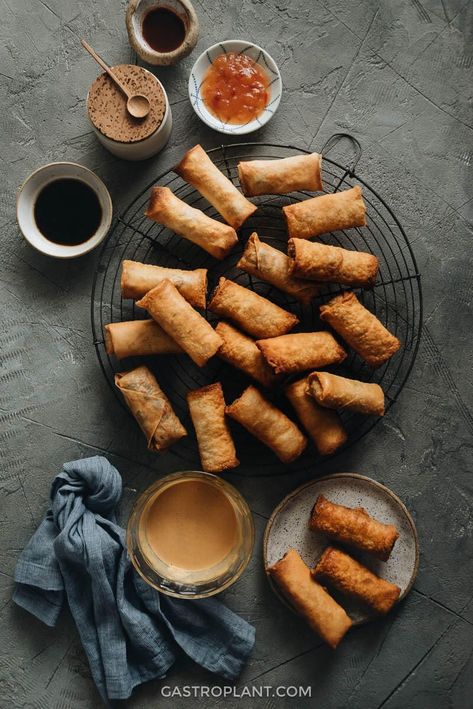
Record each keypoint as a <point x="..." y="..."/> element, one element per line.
<point x="129" y="631"/>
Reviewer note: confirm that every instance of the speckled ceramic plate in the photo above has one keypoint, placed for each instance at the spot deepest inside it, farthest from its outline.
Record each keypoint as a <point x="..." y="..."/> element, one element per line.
<point x="288" y="527"/>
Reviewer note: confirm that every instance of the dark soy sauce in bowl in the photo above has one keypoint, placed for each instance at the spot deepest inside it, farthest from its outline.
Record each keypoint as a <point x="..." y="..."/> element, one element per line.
<point x="163" y="30"/>
<point x="67" y="212"/>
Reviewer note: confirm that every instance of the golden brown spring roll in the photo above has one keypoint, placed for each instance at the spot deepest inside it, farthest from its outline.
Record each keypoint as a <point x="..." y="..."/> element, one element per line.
<point x="181" y="322"/>
<point x="300" y="351"/>
<point x="353" y="526"/>
<point x="138" y="278"/>
<point x="207" y="410"/>
<point x="256" y="315"/>
<point x="348" y="576"/>
<point x="321" y="611"/>
<point x="198" y="170"/>
<point x="329" y="212"/>
<point x="337" y="392"/>
<point x="268" y="424"/>
<point x="272" y="266"/>
<point x="214" y="237"/>
<point x="360" y="328"/>
<point x="322" y="425"/>
<point x="323" y="263"/>
<point x="136" y="338"/>
<point x="299" y="172"/>
<point x="150" y="407"/>
<point x="241" y="352"/>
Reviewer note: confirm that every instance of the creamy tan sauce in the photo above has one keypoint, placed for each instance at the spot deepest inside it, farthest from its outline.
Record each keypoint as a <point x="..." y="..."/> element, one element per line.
<point x="192" y="525"/>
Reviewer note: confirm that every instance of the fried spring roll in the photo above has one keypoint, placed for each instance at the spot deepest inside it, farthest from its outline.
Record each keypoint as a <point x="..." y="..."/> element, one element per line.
<point x="181" y="322"/>
<point x="299" y="172"/>
<point x="268" y="424"/>
<point x="150" y="407"/>
<point x="272" y="266"/>
<point x="138" y="278"/>
<point x="136" y="338"/>
<point x="352" y="578"/>
<point x="207" y="410"/>
<point x="329" y="212"/>
<point x="353" y="526"/>
<point x="301" y="351"/>
<point x="241" y="352"/>
<point x="321" y="611"/>
<point x="214" y="237"/>
<point x="337" y="392"/>
<point x="198" y="170"/>
<point x="322" y="425"/>
<point x="360" y="328"/>
<point x="256" y="315"/>
<point x="332" y="264"/>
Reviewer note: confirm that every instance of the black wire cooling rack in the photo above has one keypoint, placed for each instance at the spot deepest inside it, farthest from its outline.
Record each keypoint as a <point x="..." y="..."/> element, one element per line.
<point x="396" y="299"/>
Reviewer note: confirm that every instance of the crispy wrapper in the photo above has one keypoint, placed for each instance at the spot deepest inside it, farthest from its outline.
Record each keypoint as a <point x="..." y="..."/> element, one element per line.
<point x="185" y="325"/>
<point x="138" y="278"/>
<point x="337" y="392"/>
<point x="256" y="315"/>
<point x="241" y="352"/>
<point x="199" y="171"/>
<point x="348" y="576"/>
<point x="268" y="424"/>
<point x="214" y="237"/>
<point x="353" y="526"/>
<point x="136" y="338"/>
<point x="322" y="425"/>
<point x="320" y="262"/>
<point x="299" y="172"/>
<point x="207" y="410"/>
<point x="271" y="265"/>
<point x="321" y="611"/>
<point x="360" y="329"/>
<point x="150" y="407"/>
<point x="301" y="351"/>
<point x="329" y="212"/>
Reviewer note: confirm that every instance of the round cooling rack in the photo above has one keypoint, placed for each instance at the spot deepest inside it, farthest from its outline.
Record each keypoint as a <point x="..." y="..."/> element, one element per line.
<point x="396" y="298"/>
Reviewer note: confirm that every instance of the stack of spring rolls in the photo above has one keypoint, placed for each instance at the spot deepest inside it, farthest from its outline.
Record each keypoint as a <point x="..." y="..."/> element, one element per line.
<point x="254" y="334"/>
<point x="337" y="569"/>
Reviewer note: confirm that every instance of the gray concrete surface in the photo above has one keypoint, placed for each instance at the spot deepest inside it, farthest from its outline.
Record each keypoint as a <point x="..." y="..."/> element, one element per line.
<point x="398" y="75"/>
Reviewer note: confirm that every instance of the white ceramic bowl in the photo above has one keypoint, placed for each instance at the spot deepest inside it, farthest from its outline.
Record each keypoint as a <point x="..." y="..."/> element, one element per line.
<point x="260" y="57"/>
<point x="28" y="194"/>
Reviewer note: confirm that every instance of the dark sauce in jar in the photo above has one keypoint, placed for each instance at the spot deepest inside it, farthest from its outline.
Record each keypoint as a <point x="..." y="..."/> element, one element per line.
<point x="163" y="29"/>
<point x="67" y="212"/>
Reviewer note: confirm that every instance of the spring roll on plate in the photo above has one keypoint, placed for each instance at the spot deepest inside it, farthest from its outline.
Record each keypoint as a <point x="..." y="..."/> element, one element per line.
<point x="268" y="424"/>
<point x="322" y="425"/>
<point x="256" y="315"/>
<point x="136" y="338"/>
<point x="241" y="352"/>
<point x="332" y="264"/>
<point x="360" y="328"/>
<point x="199" y="171"/>
<point x="150" y="407"/>
<point x="138" y="278"/>
<point x="309" y="599"/>
<point x="272" y="266"/>
<point x="350" y="577"/>
<point x="329" y="212"/>
<point x="353" y="526"/>
<point x="299" y="172"/>
<point x="300" y="351"/>
<point x="207" y="410"/>
<point x="337" y="392"/>
<point x="214" y="237"/>
<point x="185" y="325"/>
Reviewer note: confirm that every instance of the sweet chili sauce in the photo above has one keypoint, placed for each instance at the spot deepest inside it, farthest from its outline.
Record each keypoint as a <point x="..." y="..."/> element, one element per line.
<point x="235" y="88"/>
<point x="163" y="29"/>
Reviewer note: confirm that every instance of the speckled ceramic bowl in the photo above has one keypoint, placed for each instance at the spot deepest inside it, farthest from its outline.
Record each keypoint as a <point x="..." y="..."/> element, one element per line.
<point x="288" y="527"/>
<point x="260" y="57"/>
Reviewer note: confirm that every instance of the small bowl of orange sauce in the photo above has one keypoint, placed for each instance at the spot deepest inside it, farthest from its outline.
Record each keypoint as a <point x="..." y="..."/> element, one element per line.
<point x="235" y="87"/>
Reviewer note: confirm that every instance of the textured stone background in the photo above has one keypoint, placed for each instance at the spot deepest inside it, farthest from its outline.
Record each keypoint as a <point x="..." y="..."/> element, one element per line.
<point x="398" y="75"/>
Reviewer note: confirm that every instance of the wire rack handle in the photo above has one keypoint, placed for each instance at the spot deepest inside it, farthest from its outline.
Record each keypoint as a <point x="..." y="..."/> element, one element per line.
<point x="336" y="138"/>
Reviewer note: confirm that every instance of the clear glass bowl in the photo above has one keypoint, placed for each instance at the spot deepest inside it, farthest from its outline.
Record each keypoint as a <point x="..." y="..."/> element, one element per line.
<point x="185" y="583"/>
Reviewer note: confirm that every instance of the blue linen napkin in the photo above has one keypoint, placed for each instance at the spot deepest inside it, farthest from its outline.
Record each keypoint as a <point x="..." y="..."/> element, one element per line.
<point x="129" y="631"/>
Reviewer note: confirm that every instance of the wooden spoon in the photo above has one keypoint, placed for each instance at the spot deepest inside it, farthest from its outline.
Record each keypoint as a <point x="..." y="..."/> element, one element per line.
<point x="137" y="105"/>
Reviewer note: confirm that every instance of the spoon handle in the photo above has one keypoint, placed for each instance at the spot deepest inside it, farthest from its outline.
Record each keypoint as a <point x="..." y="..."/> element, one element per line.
<point x="105" y="67"/>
